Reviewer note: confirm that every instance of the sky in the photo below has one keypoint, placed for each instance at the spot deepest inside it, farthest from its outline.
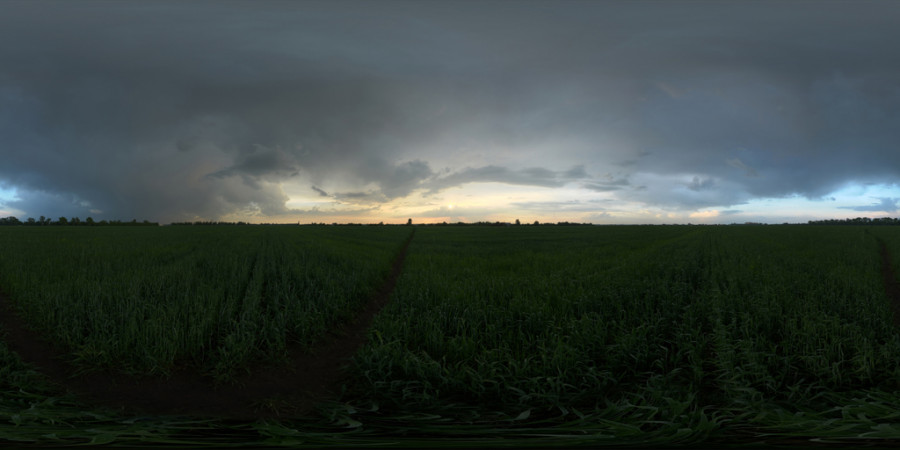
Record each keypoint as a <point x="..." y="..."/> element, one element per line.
<point x="379" y="111"/>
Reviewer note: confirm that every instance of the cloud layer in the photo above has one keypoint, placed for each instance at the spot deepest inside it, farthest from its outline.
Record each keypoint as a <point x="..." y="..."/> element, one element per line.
<point x="179" y="111"/>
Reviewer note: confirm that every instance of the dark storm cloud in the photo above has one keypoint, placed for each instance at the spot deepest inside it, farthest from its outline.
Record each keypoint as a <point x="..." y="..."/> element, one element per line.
<point x="361" y="198"/>
<point x="109" y="101"/>
<point x="66" y="205"/>
<point x="260" y="163"/>
<point x="391" y="181"/>
<point x="320" y="192"/>
<point x="398" y="180"/>
<point x="175" y="110"/>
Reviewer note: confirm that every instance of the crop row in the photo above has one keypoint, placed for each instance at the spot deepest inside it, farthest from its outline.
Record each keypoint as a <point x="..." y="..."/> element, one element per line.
<point x="664" y="329"/>
<point x="147" y="300"/>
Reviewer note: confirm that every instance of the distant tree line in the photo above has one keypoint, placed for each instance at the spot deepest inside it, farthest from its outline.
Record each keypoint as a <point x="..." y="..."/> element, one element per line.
<point x="204" y="223"/>
<point x="208" y="223"/>
<point x="858" y="221"/>
<point x="74" y="221"/>
<point x="504" y="224"/>
<point x="408" y="222"/>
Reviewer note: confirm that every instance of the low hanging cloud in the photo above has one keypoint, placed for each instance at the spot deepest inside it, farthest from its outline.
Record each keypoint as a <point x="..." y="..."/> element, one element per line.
<point x="701" y="184"/>
<point x="390" y="181"/>
<point x="607" y="183"/>
<point x="885" y="204"/>
<point x="361" y="198"/>
<point x="534" y="176"/>
<point x="684" y="191"/>
<point x="400" y="180"/>
<point x="560" y="206"/>
<point x="261" y="162"/>
<point x="55" y="205"/>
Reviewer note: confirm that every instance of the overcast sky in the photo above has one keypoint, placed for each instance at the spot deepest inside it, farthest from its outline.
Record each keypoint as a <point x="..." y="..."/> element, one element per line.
<point x="588" y="111"/>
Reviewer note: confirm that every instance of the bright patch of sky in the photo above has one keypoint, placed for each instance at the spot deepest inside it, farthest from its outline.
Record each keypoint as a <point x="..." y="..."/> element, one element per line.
<point x="501" y="202"/>
<point x="853" y="200"/>
<point x="7" y="195"/>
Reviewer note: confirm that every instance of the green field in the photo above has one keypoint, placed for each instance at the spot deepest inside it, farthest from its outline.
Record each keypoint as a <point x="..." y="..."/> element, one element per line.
<point x="143" y="300"/>
<point x="521" y="335"/>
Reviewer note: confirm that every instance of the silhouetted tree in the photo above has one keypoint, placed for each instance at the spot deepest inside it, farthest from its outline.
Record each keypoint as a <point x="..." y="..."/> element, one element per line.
<point x="409" y="222"/>
<point x="11" y="220"/>
<point x="857" y="221"/>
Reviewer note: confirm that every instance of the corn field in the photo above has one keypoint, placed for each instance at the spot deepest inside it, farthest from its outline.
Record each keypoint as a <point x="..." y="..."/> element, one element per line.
<point x="521" y="335"/>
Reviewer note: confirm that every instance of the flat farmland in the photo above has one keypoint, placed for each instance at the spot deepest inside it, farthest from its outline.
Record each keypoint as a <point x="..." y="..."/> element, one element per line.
<point x="148" y="300"/>
<point x="516" y="335"/>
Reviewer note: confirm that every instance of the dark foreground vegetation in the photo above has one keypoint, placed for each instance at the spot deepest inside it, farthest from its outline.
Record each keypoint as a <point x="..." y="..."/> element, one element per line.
<point x="492" y="336"/>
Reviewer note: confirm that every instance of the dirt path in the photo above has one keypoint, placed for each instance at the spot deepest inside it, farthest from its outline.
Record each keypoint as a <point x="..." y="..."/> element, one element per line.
<point x="288" y="390"/>
<point x="891" y="286"/>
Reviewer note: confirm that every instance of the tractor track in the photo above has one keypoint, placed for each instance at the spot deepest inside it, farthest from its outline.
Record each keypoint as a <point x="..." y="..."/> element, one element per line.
<point x="293" y="389"/>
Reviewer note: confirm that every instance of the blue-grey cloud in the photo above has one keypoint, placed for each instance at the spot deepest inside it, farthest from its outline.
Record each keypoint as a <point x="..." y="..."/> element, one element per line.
<point x="607" y="183"/>
<point x="260" y="162"/>
<point x="402" y="179"/>
<point x="738" y="164"/>
<point x="885" y="204"/>
<point x="701" y="184"/>
<point x="534" y="176"/>
<point x="361" y="198"/>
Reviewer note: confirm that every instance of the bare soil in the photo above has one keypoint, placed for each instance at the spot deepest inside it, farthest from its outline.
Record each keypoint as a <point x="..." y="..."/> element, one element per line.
<point x="891" y="286"/>
<point x="292" y="389"/>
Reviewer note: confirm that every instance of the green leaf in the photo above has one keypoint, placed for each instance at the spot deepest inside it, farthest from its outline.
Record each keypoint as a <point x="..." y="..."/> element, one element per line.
<point x="103" y="438"/>
<point x="523" y="415"/>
